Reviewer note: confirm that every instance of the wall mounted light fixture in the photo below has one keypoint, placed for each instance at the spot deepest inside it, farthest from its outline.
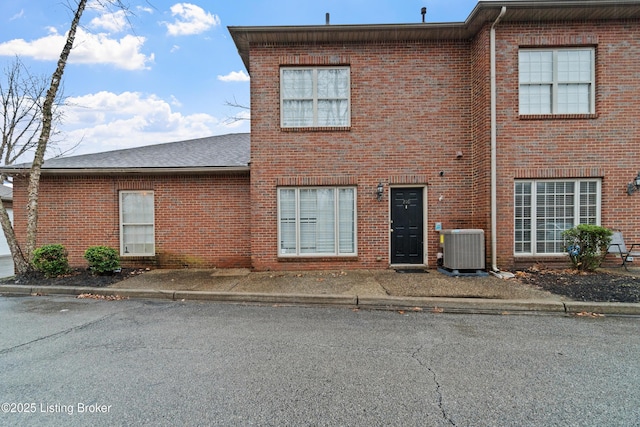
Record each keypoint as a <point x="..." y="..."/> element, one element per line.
<point x="634" y="185"/>
<point x="379" y="191"/>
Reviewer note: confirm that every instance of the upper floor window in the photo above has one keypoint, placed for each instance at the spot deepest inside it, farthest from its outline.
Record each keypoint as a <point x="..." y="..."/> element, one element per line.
<point x="557" y="81"/>
<point x="315" y="97"/>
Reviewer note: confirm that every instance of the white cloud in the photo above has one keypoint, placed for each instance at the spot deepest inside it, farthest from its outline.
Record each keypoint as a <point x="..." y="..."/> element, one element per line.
<point x="100" y="49"/>
<point x="175" y="101"/>
<point x="145" y="9"/>
<point x="17" y="15"/>
<point x="111" y="22"/>
<point x="190" y="19"/>
<point x="88" y="49"/>
<point x="235" y="76"/>
<point x="239" y="120"/>
<point x="106" y="121"/>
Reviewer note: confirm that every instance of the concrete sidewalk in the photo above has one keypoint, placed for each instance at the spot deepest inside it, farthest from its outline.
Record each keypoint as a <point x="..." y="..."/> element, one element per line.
<point x="373" y="289"/>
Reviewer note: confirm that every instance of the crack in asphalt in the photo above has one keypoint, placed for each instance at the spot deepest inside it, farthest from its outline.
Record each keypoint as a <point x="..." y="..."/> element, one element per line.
<point x="65" y="331"/>
<point x="56" y="334"/>
<point x="443" y="411"/>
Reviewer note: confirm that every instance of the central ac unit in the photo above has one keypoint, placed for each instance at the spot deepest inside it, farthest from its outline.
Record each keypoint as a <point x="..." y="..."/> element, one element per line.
<point x="463" y="249"/>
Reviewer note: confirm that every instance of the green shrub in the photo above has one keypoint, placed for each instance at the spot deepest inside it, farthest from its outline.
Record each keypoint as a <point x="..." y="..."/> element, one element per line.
<point x="587" y="245"/>
<point x="51" y="260"/>
<point x="102" y="259"/>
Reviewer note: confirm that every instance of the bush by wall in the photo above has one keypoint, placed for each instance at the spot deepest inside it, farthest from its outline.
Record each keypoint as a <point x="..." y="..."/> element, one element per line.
<point x="587" y="245"/>
<point x="51" y="260"/>
<point x="102" y="259"/>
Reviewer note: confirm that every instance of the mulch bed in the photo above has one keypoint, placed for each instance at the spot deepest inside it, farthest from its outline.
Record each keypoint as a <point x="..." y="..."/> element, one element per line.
<point x="594" y="287"/>
<point x="78" y="277"/>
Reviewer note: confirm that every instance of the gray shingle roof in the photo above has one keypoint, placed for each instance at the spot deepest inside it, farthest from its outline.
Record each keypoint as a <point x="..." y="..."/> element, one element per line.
<point x="222" y="151"/>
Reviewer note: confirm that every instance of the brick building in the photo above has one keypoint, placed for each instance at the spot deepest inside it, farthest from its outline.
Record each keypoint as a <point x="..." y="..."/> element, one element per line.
<point x="367" y="139"/>
<point x="175" y="205"/>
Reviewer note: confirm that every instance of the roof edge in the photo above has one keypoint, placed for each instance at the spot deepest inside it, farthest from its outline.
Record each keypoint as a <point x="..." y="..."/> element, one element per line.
<point x="128" y="171"/>
<point x="484" y="11"/>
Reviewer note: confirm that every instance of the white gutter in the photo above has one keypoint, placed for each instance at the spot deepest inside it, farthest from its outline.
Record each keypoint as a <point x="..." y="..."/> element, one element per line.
<point x="494" y="197"/>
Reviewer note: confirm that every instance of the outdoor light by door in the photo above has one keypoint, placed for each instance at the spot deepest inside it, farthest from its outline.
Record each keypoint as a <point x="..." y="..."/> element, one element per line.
<point x="634" y="186"/>
<point x="379" y="191"/>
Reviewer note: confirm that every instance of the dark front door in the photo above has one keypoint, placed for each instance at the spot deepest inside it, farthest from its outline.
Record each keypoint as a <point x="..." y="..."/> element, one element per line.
<point x="407" y="226"/>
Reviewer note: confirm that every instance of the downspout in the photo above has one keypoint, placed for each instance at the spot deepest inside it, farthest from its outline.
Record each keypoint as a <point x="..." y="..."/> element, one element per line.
<point x="494" y="202"/>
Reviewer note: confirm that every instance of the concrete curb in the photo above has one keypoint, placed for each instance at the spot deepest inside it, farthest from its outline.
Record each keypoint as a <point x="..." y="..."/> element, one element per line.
<point x="267" y="298"/>
<point x="434" y="304"/>
<point x="263" y="298"/>
<point x="466" y="305"/>
<point x="612" y="308"/>
<point x="77" y="290"/>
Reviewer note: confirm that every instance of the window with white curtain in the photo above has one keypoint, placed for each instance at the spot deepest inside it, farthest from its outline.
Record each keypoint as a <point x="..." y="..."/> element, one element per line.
<point x="137" y="223"/>
<point x="315" y="97"/>
<point x="545" y="208"/>
<point x="316" y="221"/>
<point x="557" y="81"/>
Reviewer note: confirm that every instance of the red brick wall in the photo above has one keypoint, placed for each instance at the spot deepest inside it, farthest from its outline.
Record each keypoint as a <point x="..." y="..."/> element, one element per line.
<point x="410" y="114"/>
<point x="200" y="220"/>
<point x="481" y="128"/>
<point x="604" y="146"/>
<point x="415" y="104"/>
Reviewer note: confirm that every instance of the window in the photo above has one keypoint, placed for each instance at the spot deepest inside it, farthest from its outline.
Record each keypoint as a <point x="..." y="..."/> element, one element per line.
<point x="315" y="97"/>
<point x="544" y="209"/>
<point x="136" y="223"/>
<point x="559" y="81"/>
<point x="316" y="221"/>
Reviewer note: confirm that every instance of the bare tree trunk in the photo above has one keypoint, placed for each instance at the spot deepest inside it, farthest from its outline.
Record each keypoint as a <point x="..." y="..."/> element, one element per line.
<point x="47" y="118"/>
<point x="21" y="113"/>
<point x="20" y="262"/>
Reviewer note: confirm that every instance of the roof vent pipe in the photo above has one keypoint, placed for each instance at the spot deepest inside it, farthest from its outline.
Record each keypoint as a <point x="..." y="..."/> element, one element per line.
<point x="423" y="11"/>
<point x="327" y="19"/>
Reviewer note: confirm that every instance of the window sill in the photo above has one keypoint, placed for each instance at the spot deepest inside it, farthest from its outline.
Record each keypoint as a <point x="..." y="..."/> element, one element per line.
<point x="539" y="256"/>
<point x="137" y="256"/>
<point x="317" y="258"/>
<point x="558" y="116"/>
<point x="317" y="129"/>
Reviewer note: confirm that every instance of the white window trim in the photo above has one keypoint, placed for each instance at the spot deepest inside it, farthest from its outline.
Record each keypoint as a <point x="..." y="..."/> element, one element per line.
<point x="555" y="82"/>
<point x="576" y="211"/>
<point x="297" y="254"/>
<point x="122" y="224"/>
<point x="315" y="95"/>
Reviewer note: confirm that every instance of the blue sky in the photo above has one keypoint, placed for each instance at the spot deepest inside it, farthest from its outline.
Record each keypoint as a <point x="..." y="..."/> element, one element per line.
<point x="165" y="72"/>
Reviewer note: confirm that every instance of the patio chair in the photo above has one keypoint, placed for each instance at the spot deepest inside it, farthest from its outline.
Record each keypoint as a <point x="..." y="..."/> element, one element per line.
<point x="618" y="247"/>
